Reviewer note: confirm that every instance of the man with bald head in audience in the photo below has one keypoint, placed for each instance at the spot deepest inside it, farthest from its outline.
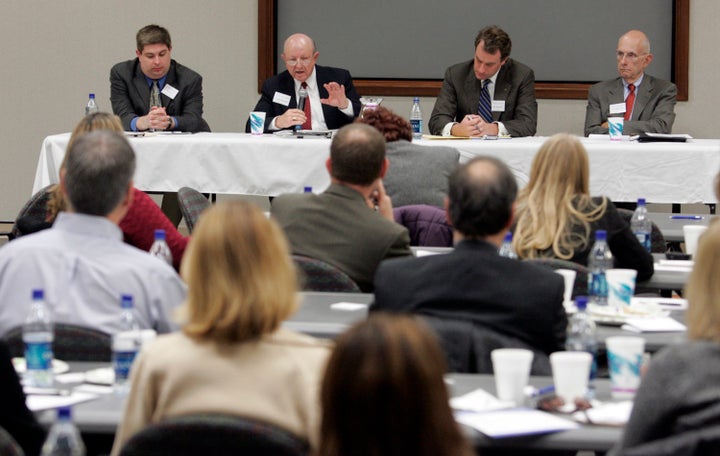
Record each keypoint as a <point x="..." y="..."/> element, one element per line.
<point x="646" y="103"/>
<point x="332" y="100"/>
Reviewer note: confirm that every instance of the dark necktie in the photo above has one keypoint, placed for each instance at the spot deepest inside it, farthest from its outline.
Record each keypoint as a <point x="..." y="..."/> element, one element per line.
<point x="484" y="108"/>
<point x="629" y="101"/>
<point x="154" y="95"/>
<point x="306" y="108"/>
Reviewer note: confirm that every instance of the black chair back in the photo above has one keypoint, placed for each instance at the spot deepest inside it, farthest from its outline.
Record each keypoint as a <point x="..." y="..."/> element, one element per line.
<point x="317" y="275"/>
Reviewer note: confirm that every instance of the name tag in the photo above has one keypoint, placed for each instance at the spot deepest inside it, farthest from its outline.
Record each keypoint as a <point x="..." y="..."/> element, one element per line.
<point x="281" y="98"/>
<point x="498" y="106"/>
<point x="617" y="108"/>
<point x="169" y="91"/>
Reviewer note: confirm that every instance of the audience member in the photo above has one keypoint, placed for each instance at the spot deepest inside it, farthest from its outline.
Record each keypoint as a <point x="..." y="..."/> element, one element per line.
<point x="646" y="103"/>
<point x="81" y="262"/>
<point x="332" y="100"/>
<point x="678" y="396"/>
<point x="557" y="217"/>
<point x="350" y="225"/>
<point x="15" y="417"/>
<point x="417" y="174"/>
<point x="232" y="356"/>
<point x="143" y="216"/>
<point x="473" y="283"/>
<point x="491" y="94"/>
<point x="384" y="395"/>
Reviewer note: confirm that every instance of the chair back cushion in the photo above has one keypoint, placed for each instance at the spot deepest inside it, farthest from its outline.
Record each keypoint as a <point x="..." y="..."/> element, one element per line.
<point x="317" y="275"/>
<point x="192" y="204"/>
<point x="427" y="225"/>
<point x="32" y="215"/>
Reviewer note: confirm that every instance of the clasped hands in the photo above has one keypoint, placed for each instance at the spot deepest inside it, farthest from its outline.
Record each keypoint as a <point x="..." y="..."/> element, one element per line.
<point x="474" y="125"/>
<point x="156" y="119"/>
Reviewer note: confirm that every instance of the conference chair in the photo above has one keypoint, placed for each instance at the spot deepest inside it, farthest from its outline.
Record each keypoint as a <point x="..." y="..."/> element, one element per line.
<point x="657" y="239"/>
<point x="580" y="287"/>
<point x="32" y="215"/>
<point x="213" y="434"/>
<point x="696" y="442"/>
<point x="427" y="225"/>
<point x="71" y="343"/>
<point x="317" y="275"/>
<point x="8" y="445"/>
<point x="192" y="204"/>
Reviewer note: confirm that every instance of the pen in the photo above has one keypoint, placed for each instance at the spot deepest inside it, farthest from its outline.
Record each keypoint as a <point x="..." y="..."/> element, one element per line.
<point x="686" y="217"/>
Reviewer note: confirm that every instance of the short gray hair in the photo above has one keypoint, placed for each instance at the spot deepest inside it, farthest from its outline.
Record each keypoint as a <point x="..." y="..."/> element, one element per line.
<point x="100" y="166"/>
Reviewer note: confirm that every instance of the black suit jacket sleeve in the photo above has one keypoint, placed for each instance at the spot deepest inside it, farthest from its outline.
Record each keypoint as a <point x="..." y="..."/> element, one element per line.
<point x="14" y="414"/>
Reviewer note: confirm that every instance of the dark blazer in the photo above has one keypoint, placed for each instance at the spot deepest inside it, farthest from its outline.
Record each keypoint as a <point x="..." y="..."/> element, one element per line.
<point x="474" y="283"/>
<point x="654" y="110"/>
<point x="337" y="227"/>
<point x="285" y="84"/>
<point x="460" y="94"/>
<point x="15" y="417"/>
<point x="130" y="95"/>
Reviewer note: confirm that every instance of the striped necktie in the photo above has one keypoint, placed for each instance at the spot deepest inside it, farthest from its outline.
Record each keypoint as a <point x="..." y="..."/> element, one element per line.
<point x="154" y="95"/>
<point x="484" y="108"/>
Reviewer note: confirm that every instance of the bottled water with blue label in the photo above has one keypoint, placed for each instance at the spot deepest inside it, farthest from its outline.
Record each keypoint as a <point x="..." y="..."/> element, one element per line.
<point x="38" y="339"/>
<point x="641" y="225"/>
<point x="160" y="249"/>
<point x="126" y="344"/>
<point x="91" y="107"/>
<point x="581" y="336"/>
<point x="506" y="249"/>
<point x="416" y="119"/>
<point x="599" y="261"/>
<point x="63" y="438"/>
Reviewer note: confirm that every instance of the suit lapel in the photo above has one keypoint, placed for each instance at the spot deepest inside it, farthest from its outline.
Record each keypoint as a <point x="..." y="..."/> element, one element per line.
<point x="616" y="94"/>
<point x="171" y="79"/>
<point x="141" y="87"/>
<point x="502" y="87"/>
<point x="472" y="89"/>
<point x="644" y="94"/>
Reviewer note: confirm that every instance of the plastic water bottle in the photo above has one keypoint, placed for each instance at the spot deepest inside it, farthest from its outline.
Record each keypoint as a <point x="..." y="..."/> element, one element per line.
<point x="64" y="438"/>
<point x="38" y="339"/>
<point x="506" y="249"/>
<point x="160" y="249"/>
<point x="91" y="107"/>
<point x="600" y="260"/>
<point x="581" y="336"/>
<point x="416" y="119"/>
<point x="641" y="225"/>
<point x="126" y="344"/>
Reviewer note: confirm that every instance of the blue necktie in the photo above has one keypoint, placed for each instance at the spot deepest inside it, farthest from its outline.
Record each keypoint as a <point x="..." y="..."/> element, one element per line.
<point x="484" y="108"/>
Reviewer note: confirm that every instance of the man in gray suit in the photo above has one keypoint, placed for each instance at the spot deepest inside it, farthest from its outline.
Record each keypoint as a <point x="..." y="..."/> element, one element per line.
<point x="350" y="225"/>
<point x="489" y="95"/>
<point x="646" y="103"/>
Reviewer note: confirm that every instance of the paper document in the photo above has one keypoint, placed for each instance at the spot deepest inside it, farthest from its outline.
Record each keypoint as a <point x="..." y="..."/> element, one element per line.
<point x="513" y="422"/>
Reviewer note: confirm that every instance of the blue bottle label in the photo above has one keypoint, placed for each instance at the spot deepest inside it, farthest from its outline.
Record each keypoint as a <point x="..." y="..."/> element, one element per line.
<point x="122" y="360"/>
<point x="38" y="355"/>
<point x="597" y="285"/>
<point x="644" y="240"/>
<point x="416" y="125"/>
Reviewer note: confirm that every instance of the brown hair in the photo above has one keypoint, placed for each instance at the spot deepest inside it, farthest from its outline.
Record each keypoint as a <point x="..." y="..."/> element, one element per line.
<point x="152" y="34"/>
<point x="240" y="276"/>
<point x="703" y="288"/>
<point x="384" y="395"/>
<point x="494" y="39"/>
<point x="392" y="126"/>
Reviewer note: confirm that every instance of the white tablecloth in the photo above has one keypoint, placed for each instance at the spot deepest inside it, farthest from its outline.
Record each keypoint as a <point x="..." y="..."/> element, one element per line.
<point x="238" y="163"/>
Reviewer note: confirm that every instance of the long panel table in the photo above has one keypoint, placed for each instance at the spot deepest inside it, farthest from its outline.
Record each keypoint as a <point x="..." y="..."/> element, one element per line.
<point x="239" y="163"/>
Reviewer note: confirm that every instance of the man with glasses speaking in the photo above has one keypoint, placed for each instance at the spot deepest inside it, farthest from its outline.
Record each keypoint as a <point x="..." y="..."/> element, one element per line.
<point x="306" y="95"/>
<point x="646" y="103"/>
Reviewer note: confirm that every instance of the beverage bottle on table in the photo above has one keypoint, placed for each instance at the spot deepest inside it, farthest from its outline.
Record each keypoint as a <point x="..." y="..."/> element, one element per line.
<point x="160" y="249"/>
<point x="37" y="335"/>
<point x="641" y="225"/>
<point x="506" y="249"/>
<point x="416" y="119"/>
<point x="126" y="343"/>
<point x="581" y="336"/>
<point x="91" y="107"/>
<point x="63" y="438"/>
<point x="599" y="261"/>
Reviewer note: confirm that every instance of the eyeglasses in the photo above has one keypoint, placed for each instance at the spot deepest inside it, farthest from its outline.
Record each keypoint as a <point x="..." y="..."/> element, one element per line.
<point x="628" y="55"/>
<point x="303" y="61"/>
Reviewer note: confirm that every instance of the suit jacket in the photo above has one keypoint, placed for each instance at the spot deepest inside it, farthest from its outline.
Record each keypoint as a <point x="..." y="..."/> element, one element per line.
<point x="418" y="174"/>
<point x="460" y="94"/>
<point x="130" y="95"/>
<point x="285" y="84"/>
<point x="654" y="110"/>
<point x="337" y="227"/>
<point x="474" y="283"/>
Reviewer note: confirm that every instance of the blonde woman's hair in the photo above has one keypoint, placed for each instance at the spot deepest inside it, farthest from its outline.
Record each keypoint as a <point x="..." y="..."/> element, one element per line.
<point x="555" y="201"/>
<point x="703" y="288"/>
<point x="241" y="278"/>
<point x="91" y="122"/>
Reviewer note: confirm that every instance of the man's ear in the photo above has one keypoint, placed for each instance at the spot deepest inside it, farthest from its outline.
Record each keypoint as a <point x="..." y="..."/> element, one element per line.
<point x="384" y="168"/>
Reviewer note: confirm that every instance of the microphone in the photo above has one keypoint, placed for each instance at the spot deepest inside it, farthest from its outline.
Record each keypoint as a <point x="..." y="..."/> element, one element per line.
<point x="302" y="99"/>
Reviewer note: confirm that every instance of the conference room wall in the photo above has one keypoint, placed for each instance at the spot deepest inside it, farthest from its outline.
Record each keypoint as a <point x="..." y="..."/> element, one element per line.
<point x="57" y="52"/>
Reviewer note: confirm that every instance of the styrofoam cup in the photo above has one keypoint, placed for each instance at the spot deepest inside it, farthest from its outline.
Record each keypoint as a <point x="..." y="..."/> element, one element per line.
<point x="625" y="356"/>
<point x="621" y="287"/>
<point x="511" y="367"/>
<point x="257" y="122"/>
<point x="571" y="372"/>
<point x="692" y="234"/>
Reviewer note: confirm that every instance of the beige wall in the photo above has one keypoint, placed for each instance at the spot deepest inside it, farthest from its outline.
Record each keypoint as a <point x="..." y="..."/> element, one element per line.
<point x="56" y="52"/>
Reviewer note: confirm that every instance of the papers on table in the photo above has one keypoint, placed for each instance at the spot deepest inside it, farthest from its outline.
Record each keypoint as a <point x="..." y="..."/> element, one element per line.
<point x="45" y="402"/>
<point x="478" y="401"/>
<point x="607" y="414"/>
<point x="348" y="306"/>
<point x="643" y="325"/>
<point x="674" y="265"/>
<point x="664" y="303"/>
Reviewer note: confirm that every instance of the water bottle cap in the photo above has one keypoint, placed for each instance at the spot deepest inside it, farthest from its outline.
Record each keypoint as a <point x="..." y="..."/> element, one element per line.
<point x="307" y="189"/>
<point x="64" y="413"/>
<point x="92" y="95"/>
<point x="581" y="302"/>
<point x="126" y="301"/>
<point x="416" y="99"/>
<point x="38" y="294"/>
<point x="601" y="235"/>
<point x="508" y="236"/>
<point x="641" y="201"/>
<point x="159" y="235"/>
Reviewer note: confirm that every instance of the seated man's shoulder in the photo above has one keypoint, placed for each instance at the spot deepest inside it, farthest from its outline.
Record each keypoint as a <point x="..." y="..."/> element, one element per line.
<point x="185" y="72"/>
<point x="124" y="67"/>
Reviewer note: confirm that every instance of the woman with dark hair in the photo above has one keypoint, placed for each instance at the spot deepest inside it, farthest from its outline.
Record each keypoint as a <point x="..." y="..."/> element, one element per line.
<point x="384" y="395"/>
<point x="417" y="174"/>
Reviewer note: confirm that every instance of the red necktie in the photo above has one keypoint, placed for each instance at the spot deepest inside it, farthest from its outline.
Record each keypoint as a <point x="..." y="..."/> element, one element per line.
<point x="629" y="101"/>
<point x="308" y="117"/>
